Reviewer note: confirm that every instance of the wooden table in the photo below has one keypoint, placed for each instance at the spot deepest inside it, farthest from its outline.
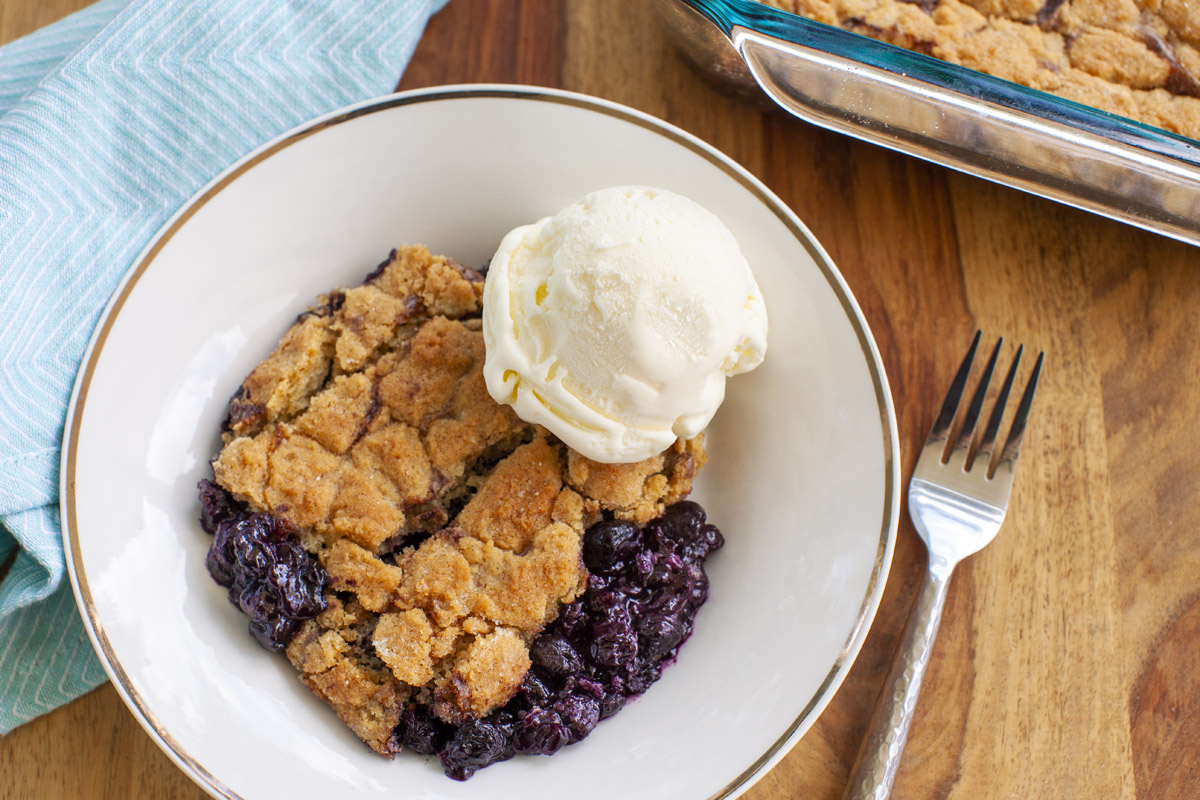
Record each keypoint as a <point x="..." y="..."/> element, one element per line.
<point x="1068" y="664"/>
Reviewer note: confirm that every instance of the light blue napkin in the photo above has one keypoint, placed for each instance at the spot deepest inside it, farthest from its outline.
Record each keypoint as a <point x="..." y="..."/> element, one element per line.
<point x="109" y="121"/>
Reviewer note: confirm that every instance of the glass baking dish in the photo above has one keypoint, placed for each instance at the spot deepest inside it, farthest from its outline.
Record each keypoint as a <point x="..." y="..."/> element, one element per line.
<point x="946" y="114"/>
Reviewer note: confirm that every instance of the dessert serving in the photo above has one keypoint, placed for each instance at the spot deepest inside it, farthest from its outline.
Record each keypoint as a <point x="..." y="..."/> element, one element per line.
<point x="1136" y="58"/>
<point x="615" y="322"/>
<point x="470" y="549"/>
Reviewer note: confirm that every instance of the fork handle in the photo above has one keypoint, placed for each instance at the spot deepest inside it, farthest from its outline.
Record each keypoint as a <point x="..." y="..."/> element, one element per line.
<point x="874" y="770"/>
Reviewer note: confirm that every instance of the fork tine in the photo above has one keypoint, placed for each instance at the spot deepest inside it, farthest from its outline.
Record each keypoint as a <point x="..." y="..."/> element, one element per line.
<point x="941" y="427"/>
<point x="966" y="434"/>
<point x="993" y="424"/>
<point x="1012" y="444"/>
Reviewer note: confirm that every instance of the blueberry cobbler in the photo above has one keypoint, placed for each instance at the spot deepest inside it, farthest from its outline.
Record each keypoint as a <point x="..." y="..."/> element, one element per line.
<point x="1136" y="58"/>
<point x="449" y="578"/>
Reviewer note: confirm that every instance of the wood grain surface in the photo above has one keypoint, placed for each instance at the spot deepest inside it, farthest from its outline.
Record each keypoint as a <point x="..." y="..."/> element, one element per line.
<point x="1067" y="665"/>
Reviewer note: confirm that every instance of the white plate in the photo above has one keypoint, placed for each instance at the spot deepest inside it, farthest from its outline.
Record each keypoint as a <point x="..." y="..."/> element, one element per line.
<point x="803" y="476"/>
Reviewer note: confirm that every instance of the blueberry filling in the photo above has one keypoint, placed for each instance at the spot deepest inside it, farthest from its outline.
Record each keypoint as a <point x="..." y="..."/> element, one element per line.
<point x="270" y="577"/>
<point x="609" y="645"/>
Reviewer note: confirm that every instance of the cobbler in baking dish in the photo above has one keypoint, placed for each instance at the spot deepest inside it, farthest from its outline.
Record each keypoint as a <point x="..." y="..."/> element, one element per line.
<point x="1136" y="58"/>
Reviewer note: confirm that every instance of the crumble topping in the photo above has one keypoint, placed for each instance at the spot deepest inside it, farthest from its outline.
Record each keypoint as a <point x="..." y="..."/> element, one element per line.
<point x="451" y="530"/>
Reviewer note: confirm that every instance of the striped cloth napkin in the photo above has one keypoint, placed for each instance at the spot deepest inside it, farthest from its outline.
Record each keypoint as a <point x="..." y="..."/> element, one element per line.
<point x="109" y="120"/>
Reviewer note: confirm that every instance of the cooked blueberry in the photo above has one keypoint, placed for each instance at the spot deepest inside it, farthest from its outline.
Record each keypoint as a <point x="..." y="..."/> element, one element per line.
<point x="665" y="569"/>
<point x="216" y="506"/>
<point x="573" y="620"/>
<point x="614" y="609"/>
<point x="556" y="655"/>
<point x="474" y="745"/>
<point x="535" y="691"/>
<point x="642" y="676"/>
<point x="611" y="704"/>
<point x="671" y="599"/>
<point x="658" y="634"/>
<point x="252" y="544"/>
<point x="586" y="686"/>
<point x="613" y="644"/>
<point x="301" y="591"/>
<point x="706" y="541"/>
<point x="643" y="566"/>
<point x="579" y="713"/>
<point x="540" y="732"/>
<point x="684" y="517"/>
<point x="221" y="562"/>
<point x="274" y="632"/>
<point x="608" y="545"/>
<point x="421" y="732"/>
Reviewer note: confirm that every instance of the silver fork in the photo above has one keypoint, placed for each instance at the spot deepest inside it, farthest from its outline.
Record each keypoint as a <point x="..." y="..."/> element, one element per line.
<point x="956" y="498"/>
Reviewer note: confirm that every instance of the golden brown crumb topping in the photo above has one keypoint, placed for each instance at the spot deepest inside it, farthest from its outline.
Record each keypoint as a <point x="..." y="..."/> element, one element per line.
<point x="450" y="529"/>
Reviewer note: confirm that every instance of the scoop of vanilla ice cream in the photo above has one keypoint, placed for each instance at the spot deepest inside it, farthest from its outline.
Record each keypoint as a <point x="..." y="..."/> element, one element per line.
<point x="615" y="322"/>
